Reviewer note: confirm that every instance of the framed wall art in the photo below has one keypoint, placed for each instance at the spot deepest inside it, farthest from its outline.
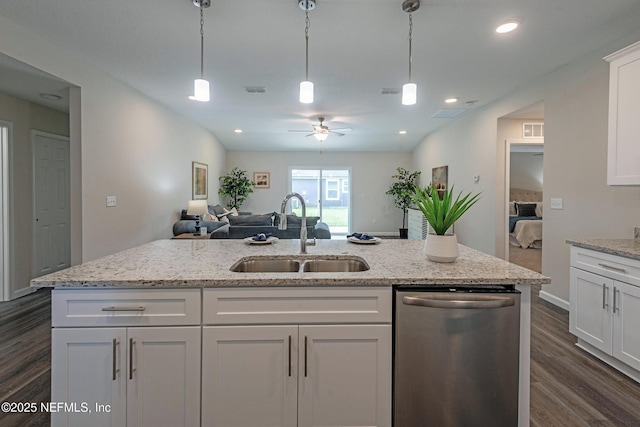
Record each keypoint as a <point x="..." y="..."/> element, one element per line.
<point x="439" y="177"/>
<point x="262" y="179"/>
<point x="200" y="176"/>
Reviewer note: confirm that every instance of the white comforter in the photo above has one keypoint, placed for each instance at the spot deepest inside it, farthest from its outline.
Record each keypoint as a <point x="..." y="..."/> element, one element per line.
<point x="526" y="232"/>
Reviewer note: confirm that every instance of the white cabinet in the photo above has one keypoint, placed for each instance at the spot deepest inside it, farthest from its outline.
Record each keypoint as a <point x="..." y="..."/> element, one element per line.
<point x="605" y="307"/>
<point x="131" y="375"/>
<point x="298" y="374"/>
<point x="623" y="160"/>
<point x="417" y="225"/>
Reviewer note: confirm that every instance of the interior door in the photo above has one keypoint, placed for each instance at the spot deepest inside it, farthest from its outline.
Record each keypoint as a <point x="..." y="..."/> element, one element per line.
<point x="51" y="201"/>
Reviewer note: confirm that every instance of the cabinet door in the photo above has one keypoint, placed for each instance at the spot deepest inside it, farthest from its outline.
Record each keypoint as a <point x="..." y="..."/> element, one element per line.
<point x="344" y="375"/>
<point x="590" y="313"/>
<point x="163" y="377"/>
<point x="249" y="376"/>
<point x="626" y="318"/>
<point x="88" y="368"/>
<point x="623" y="167"/>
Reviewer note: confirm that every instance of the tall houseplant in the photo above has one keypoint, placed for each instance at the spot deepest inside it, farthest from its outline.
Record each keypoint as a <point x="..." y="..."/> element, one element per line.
<point x="235" y="186"/>
<point x="403" y="191"/>
<point x="441" y="210"/>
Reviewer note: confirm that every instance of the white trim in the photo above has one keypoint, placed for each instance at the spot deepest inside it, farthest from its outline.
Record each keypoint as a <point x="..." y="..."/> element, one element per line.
<point x="326" y="188"/>
<point x="552" y="299"/>
<point x="5" y="237"/>
<point x="609" y="360"/>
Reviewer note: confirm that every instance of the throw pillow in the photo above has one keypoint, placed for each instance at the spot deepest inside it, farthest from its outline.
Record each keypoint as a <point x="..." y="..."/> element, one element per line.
<point x="217" y="209"/>
<point x="526" y="209"/>
<point x="209" y="217"/>
<point x="184" y="216"/>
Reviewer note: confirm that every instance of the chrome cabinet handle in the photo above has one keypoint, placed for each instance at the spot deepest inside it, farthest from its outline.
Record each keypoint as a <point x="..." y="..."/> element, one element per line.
<point x="465" y="301"/>
<point x="305" y="357"/>
<point x="610" y="267"/>
<point x="615" y="308"/>
<point x="604" y="296"/>
<point x="112" y="308"/>
<point x="289" y="355"/>
<point x="131" y="344"/>
<point x="115" y="369"/>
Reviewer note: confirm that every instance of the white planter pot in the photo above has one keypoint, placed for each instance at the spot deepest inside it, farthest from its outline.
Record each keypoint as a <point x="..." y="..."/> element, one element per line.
<point x="441" y="248"/>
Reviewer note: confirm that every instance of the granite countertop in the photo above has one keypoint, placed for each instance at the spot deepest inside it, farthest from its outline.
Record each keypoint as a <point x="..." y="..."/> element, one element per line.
<point x="206" y="263"/>
<point x="629" y="248"/>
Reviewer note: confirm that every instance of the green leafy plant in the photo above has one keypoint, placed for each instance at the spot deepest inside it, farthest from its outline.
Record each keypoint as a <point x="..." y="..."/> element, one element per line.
<point x="235" y="186"/>
<point x="403" y="190"/>
<point x="439" y="207"/>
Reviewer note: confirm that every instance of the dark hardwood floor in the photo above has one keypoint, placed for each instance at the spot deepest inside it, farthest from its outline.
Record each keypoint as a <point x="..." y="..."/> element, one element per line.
<point x="568" y="386"/>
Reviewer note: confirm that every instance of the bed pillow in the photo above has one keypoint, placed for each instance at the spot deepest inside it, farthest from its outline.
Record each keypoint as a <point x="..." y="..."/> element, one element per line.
<point x="512" y="208"/>
<point x="539" y="209"/>
<point x="526" y="209"/>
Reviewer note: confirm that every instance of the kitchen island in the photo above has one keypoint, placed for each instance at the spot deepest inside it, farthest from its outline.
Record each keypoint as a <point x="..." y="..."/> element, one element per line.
<point x="220" y="327"/>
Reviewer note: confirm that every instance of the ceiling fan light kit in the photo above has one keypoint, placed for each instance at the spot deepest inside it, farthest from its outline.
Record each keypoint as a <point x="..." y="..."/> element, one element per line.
<point x="409" y="89"/>
<point x="201" y="90"/>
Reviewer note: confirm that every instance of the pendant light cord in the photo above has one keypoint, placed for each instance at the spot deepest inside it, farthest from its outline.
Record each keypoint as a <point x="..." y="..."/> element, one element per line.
<point x="306" y="35"/>
<point x="201" y="40"/>
<point x="410" y="39"/>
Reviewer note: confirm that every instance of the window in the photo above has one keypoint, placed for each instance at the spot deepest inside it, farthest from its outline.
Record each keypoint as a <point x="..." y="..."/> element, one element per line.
<point x="345" y="185"/>
<point x="332" y="189"/>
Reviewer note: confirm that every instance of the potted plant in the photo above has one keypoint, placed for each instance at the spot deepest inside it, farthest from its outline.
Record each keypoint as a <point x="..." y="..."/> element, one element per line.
<point x="235" y="186"/>
<point x="403" y="191"/>
<point x="441" y="211"/>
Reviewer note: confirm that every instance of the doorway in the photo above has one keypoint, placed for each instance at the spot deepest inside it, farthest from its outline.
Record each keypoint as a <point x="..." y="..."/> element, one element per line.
<point x="327" y="194"/>
<point x="524" y="184"/>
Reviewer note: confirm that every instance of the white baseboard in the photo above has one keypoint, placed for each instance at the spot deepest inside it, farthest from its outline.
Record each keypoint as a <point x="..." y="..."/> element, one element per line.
<point x="559" y="302"/>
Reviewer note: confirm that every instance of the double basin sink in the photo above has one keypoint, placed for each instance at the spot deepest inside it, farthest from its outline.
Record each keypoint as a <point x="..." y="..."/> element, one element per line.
<point x="300" y="263"/>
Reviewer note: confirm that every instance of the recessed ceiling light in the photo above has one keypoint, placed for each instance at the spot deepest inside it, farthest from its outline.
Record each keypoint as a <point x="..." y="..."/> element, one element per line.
<point x="507" y="27"/>
<point x="237" y="130"/>
<point x="50" y="96"/>
<point x="451" y="100"/>
<point x="402" y="132"/>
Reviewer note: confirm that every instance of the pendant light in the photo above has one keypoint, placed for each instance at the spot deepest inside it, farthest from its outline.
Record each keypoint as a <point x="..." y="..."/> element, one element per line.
<point x="201" y="86"/>
<point x="410" y="89"/>
<point x="306" y="87"/>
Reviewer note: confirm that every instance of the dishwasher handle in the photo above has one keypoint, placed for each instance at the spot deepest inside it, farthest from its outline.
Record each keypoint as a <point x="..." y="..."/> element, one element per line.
<point x="465" y="301"/>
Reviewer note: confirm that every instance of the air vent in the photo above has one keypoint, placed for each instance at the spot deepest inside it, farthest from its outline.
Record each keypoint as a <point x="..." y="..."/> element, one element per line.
<point x="255" y="89"/>
<point x="448" y="113"/>
<point x="389" y="91"/>
<point x="533" y="130"/>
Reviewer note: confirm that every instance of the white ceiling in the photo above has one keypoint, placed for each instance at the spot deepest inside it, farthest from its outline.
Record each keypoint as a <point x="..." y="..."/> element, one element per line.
<point x="356" y="48"/>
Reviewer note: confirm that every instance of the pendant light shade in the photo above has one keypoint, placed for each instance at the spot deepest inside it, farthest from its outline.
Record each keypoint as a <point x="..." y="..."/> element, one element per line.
<point x="306" y="92"/>
<point x="201" y="90"/>
<point x="409" y="93"/>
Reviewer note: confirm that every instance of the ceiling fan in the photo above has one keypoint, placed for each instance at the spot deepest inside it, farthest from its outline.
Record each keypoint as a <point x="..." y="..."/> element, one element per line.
<point x="321" y="131"/>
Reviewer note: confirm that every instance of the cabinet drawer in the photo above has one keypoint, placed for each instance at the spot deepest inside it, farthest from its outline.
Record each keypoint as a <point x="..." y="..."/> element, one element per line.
<point x="296" y="305"/>
<point x="612" y="266"/>
<point x="125" y="307"/>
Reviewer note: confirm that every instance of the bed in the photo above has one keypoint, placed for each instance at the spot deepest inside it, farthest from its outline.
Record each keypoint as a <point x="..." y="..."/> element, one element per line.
<point x="525" y="218"/>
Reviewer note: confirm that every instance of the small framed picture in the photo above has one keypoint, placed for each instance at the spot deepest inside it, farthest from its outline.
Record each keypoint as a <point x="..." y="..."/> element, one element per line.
<point x="262" y="179"/>
<point x="199" y="174"/>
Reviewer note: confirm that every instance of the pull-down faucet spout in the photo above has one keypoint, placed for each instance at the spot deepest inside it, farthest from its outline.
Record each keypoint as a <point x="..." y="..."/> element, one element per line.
<point x="282" y="225"/>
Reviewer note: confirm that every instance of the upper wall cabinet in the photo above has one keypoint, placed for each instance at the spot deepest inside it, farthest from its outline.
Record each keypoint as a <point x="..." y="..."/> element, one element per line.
<point x="623" y="160"/>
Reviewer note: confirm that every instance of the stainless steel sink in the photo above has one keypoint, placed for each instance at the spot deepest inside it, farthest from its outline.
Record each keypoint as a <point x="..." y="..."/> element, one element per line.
<point x="266" y="265"/>
<point x="340" y="265"/>
<point x="294" y="264"/>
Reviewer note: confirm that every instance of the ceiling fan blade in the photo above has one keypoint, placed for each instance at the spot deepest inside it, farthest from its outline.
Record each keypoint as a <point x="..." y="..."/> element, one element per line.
<point x="298" y="130"/>
<point x="337" y="133"/>
<point x="312" y="133"/>
<point x="341" y="130"/>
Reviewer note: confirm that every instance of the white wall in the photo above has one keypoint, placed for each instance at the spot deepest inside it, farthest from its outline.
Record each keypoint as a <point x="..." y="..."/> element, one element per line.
<point x="123" y="144"/>
<point x="526" y="171"/>
<point x="576" y="101"/>
<point x="24" y="116"/>
<point x="372" y="211"/>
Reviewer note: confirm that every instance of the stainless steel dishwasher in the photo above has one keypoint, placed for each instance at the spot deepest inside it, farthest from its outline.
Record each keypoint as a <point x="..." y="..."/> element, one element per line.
<point x="456" y="356"/>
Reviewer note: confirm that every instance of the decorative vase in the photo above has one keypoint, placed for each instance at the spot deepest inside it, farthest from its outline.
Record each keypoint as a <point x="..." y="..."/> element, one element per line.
<point x="441" y="248"/>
